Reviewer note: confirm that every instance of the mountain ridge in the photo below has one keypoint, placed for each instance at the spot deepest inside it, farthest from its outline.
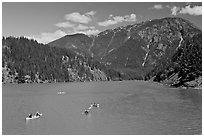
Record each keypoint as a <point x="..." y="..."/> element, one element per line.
<point x="154" y="49"/>
<point x="142" y="45"/>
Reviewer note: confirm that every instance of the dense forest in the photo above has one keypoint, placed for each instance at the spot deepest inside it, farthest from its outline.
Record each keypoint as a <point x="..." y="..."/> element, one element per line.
<point x="25" y="60"/>
<point x="185" y="67"/>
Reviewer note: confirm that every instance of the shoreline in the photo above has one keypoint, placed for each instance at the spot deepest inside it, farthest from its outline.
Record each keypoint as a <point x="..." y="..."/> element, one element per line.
<point x="148" y="81"/>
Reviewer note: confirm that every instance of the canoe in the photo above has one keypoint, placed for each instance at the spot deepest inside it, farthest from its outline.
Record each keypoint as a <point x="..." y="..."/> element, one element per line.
<point x="34" y="117"/>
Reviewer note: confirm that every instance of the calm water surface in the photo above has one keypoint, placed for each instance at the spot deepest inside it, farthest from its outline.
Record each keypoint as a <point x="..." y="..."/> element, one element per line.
<point x="128" y="107"/>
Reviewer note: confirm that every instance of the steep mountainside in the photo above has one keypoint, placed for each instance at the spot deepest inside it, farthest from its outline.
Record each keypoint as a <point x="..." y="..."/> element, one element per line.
<point x="166" y="50"/>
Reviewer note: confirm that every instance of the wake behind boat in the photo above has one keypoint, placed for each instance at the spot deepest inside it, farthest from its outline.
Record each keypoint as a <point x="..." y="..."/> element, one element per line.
<point x="86" y="111"/>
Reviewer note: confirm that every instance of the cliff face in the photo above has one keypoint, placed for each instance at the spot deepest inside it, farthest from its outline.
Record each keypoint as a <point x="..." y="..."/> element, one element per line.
<point x="166" y="50"/>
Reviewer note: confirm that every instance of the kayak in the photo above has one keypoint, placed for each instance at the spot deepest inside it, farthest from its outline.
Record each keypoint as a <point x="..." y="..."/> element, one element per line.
<point x="95" y="105"/>
<point x="34" y="117"/>
<point x="86" y="112"/>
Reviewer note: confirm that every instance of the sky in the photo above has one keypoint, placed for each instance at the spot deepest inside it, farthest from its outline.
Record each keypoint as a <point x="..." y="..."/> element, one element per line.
<point x="48" y="21"/>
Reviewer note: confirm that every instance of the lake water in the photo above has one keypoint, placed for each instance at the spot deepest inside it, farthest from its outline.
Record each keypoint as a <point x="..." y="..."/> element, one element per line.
<point x="127" y="107"/>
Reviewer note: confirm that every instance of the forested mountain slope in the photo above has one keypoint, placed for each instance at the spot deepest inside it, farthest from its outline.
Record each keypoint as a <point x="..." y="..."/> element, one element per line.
<point x="25" y="60"/>
<point x="167" y="50"/>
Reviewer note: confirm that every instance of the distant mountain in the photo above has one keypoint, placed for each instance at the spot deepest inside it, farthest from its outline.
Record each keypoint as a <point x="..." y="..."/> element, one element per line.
<point x="79" y="43"/>
<point x="165" y="50"/>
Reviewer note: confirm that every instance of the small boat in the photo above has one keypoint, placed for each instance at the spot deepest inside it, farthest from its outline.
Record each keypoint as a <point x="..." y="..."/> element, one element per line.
<point x="86" y="112"/>
<point x="34" y="117"/>
<point x="95" y="105"/>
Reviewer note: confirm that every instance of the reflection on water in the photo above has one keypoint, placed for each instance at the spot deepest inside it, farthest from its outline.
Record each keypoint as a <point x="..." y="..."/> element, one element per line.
<point x="33" y="122"/>
<point x="192" y="95"/>
<point x="128" y="107"/>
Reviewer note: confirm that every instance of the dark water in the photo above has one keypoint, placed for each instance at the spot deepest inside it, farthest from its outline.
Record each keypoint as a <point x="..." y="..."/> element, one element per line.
<point x="128" y="107"/>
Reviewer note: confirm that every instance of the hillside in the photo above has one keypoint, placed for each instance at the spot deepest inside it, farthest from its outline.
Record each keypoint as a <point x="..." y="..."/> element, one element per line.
<point x="27" y="61"/>
<point x="166" y="50"/>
